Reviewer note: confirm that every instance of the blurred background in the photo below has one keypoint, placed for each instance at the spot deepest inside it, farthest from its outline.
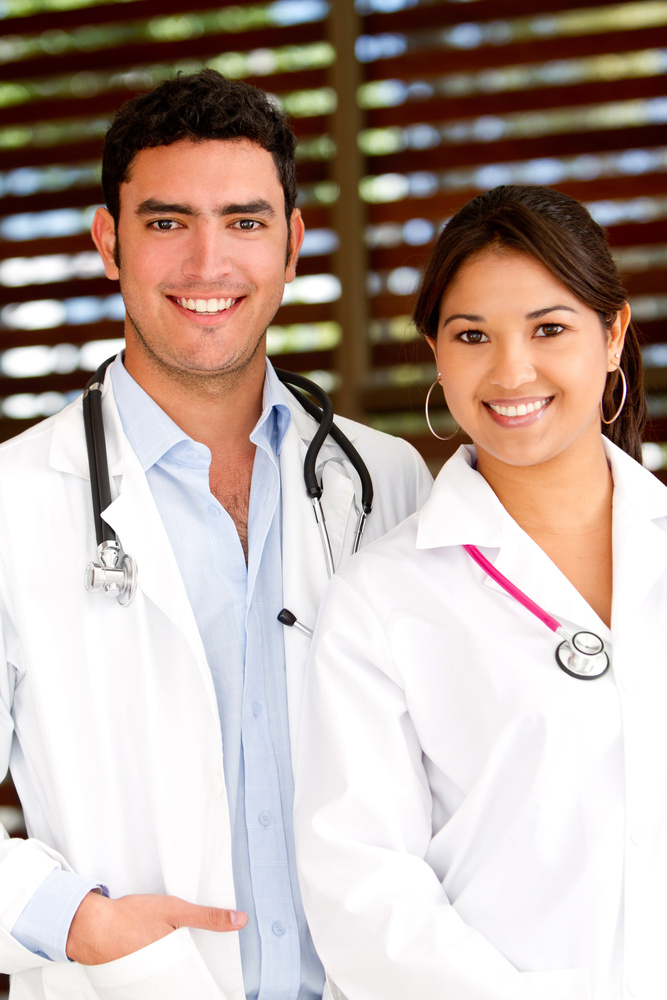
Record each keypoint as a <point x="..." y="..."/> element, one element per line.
<point x="404" y="109"/>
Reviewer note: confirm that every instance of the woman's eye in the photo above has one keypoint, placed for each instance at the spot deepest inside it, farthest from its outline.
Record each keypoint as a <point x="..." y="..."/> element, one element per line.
<point x="472" y="337"/>
<point x="549" y="330"/>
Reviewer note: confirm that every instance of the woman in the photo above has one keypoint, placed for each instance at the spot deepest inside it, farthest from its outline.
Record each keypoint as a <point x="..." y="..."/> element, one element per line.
<point x="474" y="822"/>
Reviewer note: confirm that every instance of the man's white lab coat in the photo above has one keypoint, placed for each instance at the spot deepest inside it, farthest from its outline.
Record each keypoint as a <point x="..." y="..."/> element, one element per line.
<point x="108" y="714"/>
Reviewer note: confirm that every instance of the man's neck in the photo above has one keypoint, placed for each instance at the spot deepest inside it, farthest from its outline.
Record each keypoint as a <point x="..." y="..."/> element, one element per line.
<point x="219" y="411"/>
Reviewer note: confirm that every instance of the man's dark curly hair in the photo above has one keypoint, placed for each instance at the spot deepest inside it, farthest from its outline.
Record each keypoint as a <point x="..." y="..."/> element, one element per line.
<point x="198" y="107"/>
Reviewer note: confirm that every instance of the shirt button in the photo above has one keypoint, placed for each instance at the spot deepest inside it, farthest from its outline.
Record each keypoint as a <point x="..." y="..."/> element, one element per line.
<point x="217" y="786"/>
<point x="633" y="989"/>
<point x="256" y="708"/>
<point x="214" y="511"/>
<point x="265" y="818"/>
<point x="279" y="928"/>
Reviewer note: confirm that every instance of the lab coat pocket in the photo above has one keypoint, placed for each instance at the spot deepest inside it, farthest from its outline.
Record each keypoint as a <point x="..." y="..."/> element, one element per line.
<point x="168" y="969"/>
<point x="559" y="984"/>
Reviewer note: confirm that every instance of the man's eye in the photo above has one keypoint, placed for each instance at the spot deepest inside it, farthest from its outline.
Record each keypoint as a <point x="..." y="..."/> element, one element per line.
<point x="163" y="225"/>
<point x="472" y="337"/>
<point x="248" y="225"/>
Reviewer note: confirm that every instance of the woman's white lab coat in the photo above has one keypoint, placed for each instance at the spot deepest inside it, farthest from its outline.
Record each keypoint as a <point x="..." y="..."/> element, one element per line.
<point x="472" y="823"/>
<point x="108" y="715"/>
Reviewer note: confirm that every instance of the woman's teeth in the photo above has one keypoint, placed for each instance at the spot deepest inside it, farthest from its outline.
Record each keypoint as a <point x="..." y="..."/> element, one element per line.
<point x="518" y="411"/>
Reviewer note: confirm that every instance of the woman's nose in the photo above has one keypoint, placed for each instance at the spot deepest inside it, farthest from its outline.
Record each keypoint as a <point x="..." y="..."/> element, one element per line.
<point x="513" y="367"/>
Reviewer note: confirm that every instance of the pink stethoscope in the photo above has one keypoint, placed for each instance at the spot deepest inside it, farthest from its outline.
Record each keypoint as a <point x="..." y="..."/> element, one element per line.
<point x="580" y="655"/>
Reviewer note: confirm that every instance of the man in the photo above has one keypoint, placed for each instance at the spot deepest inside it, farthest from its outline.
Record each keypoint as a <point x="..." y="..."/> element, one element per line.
<point x="150" y="744"/>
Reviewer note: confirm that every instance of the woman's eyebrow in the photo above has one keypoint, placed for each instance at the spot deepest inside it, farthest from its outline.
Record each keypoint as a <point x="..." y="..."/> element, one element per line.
<point x="465" y="316"/>
<point x="543" y="312"/>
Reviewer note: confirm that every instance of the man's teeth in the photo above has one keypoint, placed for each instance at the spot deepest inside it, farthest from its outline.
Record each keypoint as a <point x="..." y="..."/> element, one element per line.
<point x="518" y="411"/>
<point x="206" y="305"/>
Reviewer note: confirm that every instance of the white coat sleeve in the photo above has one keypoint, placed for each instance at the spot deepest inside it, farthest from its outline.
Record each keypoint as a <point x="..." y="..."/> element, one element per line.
<point x="24" y="864"/>
<point x="379" y="916"/>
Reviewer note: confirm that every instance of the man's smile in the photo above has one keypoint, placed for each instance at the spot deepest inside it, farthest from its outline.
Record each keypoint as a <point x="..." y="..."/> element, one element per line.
<point x="206" y="307"/>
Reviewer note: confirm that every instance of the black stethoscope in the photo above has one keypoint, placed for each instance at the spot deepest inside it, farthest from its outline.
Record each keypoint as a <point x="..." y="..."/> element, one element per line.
<point x="582" y="655"/>
<point x="115" y="572"/>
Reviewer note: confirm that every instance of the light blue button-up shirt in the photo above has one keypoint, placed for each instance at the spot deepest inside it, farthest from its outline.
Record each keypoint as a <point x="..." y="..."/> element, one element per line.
<point x="235" y="607"/>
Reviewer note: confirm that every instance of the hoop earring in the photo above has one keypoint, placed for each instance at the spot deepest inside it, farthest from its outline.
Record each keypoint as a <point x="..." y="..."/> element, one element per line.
<point x="428" y="419"/>
<point x="625" y="393"/>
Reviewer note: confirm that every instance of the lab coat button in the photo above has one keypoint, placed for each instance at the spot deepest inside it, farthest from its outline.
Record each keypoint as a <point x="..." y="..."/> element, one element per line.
<point x="279" y="928"/>
<point x="256" y="708"/>
<point x="629" y="684"/>
<point x="632" y="989"/>
<point x="214" y="511"/>
<point x="217" y="786"/>
<point x="638" y="838"/>
<point x="265" y="818"/>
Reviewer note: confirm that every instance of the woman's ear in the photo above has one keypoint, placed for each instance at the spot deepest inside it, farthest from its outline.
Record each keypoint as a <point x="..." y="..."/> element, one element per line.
<point x="616" y="337"/>
<point x="431" y="341"/>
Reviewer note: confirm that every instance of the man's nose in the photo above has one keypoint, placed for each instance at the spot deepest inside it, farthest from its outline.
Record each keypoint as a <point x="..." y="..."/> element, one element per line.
<point x="208" y="257"/>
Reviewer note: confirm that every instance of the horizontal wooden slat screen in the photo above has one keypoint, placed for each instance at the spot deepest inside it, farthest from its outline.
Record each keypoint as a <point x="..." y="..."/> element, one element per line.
<point x="403" y="110"/>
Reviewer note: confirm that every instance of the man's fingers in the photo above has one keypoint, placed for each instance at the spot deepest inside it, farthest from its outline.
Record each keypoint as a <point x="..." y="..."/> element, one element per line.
<point x="208" y="918"/>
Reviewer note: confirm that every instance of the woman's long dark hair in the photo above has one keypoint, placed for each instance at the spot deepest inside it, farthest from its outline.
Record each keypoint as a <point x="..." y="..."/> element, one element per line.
<point x="558" y="232"/>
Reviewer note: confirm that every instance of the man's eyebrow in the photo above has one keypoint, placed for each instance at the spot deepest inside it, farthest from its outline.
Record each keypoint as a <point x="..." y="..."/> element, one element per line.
<point x="153" y="206"/>
<point x="258" y="207"/>
<point x="543" y="312"/>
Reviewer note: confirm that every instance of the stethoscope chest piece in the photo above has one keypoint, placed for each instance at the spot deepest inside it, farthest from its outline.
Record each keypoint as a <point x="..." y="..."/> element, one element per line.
<point x="114" y="575"/>
<point x="583" y="656"/>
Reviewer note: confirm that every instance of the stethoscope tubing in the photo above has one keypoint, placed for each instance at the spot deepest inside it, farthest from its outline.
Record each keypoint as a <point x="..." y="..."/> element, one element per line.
<point x="97" y="454"/>
<point x="116" y="573"/>
<point x="512" y="589"/>
<point x="581" y="655"/>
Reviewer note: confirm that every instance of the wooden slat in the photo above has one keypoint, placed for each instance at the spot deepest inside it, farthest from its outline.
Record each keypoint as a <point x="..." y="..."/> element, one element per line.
<point x="106" y="102"/>
<point x="431" y="59"/>
<point x="438" y="110"/>
<point x="148" y="52"/>
<point x="432" y="16"/>
<point x="561" y="144"/>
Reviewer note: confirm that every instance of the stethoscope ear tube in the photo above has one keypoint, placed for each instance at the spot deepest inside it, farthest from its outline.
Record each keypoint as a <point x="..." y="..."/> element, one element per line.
<point x="324" y="416"/>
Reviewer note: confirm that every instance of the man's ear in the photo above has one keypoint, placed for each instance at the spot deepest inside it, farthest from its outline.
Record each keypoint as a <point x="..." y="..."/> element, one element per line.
<point x="103" y="232"/>
<point x="296" y="234"/>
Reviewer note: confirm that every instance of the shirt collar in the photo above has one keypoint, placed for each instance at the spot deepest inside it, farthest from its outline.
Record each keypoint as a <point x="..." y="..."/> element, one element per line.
<point x="152" y="433"/>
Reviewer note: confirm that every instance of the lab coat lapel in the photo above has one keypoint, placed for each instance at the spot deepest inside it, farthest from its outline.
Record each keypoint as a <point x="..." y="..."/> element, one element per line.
<point x="135" y="519"/>
<point x="463" y="509"/>
<point x="640" y="558"/>
<point x="304" y="567"/>
<point x="523" y="562"/>
<point x="640" y="539"/>
<point x="133" y="516"/>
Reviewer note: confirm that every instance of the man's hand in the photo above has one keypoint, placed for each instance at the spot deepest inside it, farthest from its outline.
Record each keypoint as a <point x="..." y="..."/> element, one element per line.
<point x="105" y="929"/>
